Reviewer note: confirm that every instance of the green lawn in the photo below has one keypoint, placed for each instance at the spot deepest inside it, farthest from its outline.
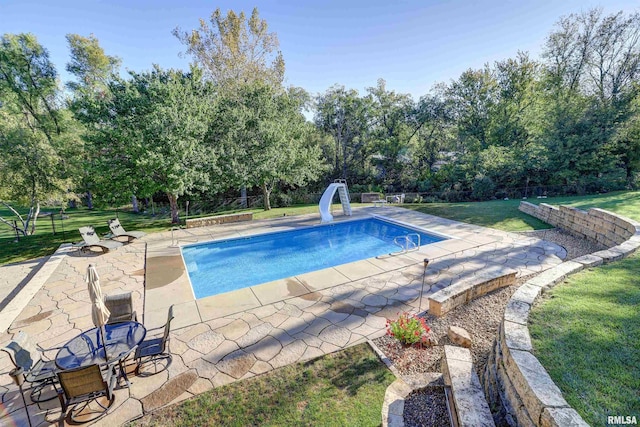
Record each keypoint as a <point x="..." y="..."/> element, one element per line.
<point x="586" y="333"/>
<point x="504" y="214"/>
<point x="344" y="388"/>
<point x="44" y="242"/>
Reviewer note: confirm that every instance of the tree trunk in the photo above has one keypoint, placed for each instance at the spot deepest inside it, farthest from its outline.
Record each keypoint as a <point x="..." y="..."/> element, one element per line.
<point x="89" y="200"/>
<point x="344" y="161"/>
<point x="35" y="217"/>
<point x="266" y="193"/>
<point x="243" y="197"/>
<point x="134" y="202"/>
<point x="173" y="203"/>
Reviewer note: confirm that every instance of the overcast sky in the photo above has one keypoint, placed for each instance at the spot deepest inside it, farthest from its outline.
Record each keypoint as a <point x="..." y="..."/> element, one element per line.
<point x="411" y="44"/>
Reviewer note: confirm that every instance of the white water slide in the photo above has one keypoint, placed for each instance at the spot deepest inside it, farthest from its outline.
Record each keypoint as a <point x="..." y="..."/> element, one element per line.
<point x="327" y="199"/>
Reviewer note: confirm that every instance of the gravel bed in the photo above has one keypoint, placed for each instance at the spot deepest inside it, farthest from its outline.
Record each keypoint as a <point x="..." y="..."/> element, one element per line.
<point x="432" y="398"/>
<point x="481" y="318"/>
<point x="575" y="246"/>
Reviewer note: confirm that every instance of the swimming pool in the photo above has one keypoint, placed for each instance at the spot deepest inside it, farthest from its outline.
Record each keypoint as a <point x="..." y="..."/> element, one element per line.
<point x="223" y="266"/>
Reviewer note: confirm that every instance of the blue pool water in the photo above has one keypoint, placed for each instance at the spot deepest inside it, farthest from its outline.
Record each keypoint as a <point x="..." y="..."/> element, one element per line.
<point x="223" y="266"/>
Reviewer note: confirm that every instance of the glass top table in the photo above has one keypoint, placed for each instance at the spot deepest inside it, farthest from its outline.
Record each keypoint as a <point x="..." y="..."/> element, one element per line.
<point x="120" y="339"/>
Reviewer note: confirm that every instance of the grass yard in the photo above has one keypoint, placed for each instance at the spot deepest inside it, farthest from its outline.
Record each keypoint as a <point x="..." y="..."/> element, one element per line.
<point x="504" y="214"/>
<point x="499" y="214"/>
<point x="586" y="333"/>
<point x="343" y="388"/>
<point x="44" y="242"/>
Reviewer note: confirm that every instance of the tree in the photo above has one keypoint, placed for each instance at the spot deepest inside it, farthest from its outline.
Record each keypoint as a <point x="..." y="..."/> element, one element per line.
<point x="432" y="122"/>
<point x="592" y="61"/>
<point x="149" y="135"/>
<point x="234" y="50"/>
<point x="515" y="81"/>
<point x="627" y="144"/>
<point x="391" y="130"/>
<point x="346" y="117"/>
<point x="472" y="97"/>
<point x="29" y="78"/>
<point x="93" y="70"/>
<point x="38" y="139"/>
<point x="90" y="65"/>
<point x="264" y="138"/>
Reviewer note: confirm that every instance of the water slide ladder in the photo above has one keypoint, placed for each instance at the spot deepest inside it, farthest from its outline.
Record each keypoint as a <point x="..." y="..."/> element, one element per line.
<point x="339" y="185"/>
<point x="406" y="243"/>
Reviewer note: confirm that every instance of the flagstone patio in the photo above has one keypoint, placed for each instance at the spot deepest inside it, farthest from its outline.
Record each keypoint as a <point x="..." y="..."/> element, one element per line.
<point x="228" y="337"/>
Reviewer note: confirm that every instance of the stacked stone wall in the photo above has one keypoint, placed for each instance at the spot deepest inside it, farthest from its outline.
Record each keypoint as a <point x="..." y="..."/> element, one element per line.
<point x="519" y="390"/>
<point x="219" y="219"/>
<point x="596" y="225"/>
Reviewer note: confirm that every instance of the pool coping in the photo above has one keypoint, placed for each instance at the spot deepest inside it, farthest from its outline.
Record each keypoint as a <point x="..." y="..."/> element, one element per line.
<point x="267" y="298"/>
<point x="165" y="288"/>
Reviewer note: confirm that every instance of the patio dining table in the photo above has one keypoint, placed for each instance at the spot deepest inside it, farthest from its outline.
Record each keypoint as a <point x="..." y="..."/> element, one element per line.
<point x="120" y="340"/>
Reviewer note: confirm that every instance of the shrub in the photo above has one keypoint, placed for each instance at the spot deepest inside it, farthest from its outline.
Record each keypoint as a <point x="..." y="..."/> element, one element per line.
<point x="409" y="329"/>
<point x="483" y="187"/>
<point x="283" y="200"/>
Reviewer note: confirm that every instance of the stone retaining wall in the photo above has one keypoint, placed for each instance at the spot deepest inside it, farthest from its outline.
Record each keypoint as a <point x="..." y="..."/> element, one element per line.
<point x="597" y="225"/>
<point x="465" y="291"/>
<point x="519" y="389"/>
<point x="219" y="219"/>
<point x="468" y="405"/>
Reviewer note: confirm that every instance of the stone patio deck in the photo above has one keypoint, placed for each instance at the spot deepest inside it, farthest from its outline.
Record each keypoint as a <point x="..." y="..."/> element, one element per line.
<point x="224" y="338"/>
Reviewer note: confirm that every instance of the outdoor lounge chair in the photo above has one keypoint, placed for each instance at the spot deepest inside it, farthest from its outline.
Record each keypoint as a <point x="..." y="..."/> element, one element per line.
<point x="83" y="386"/>
<point x="155" y="350"/>
<point x="121" y="308"/>
<point x="37" y="371"/>
<point x="92" y="240"/>
<point x="119" y="231"/>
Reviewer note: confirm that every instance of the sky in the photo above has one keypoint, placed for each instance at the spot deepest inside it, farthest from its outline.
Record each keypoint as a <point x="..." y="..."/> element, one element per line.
<point x="413" y="45"/>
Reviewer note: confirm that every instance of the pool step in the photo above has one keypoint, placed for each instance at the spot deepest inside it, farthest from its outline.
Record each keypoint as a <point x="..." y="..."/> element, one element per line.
<point x="406" y="243"/>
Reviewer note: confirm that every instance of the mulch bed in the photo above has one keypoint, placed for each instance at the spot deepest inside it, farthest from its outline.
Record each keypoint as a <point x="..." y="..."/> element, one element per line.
<point x="410" y="360"/>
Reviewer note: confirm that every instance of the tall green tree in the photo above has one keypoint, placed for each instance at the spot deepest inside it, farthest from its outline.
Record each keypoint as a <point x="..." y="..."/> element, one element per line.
<point x="29" y="78"/>
<point x="235" y="50"/>
<point x="90" y="65"/>
<point x="265" y="139"/>
<point x="627" y="144"/>
<point x="434" y="138"/>
<point x="472" y="98"/>
<point x="591" y="64"/>
<point x="391" y="130"/>
<point x="38" y="138"/>
<point x="346" y="116"/>
<point x="93" y="69"/>
<point x="150" y="132"/>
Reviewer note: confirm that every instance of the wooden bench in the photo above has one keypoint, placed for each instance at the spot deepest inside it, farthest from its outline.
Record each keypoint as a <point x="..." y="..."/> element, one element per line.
<point x="469" y="289"/>
<point x="379" y="203"/>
